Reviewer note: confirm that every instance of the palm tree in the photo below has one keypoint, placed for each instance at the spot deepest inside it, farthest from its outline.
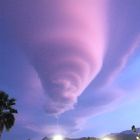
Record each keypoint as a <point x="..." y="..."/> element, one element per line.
<point x="135" y="130"/>
<point x="7" y="112"/>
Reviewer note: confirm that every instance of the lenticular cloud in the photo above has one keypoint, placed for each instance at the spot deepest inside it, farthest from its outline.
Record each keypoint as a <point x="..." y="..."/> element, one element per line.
<point x="64" y="69"/>
<point x="64" y="41"/>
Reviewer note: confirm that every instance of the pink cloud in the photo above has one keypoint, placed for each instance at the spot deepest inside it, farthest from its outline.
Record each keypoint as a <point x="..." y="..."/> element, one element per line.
<point x="74" y="120"/>
<point x="64" y="42"/>
<point x="68" y="46"/>
<point x="123" y="40"/>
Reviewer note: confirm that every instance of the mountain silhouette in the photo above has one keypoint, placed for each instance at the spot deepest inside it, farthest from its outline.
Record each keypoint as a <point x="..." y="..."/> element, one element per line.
<point x="124" y="135"/>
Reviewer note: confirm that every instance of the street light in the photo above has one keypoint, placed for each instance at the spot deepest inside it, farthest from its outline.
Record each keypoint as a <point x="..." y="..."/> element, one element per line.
<point x="106" y="138"/>
<point x="58" y="137"/>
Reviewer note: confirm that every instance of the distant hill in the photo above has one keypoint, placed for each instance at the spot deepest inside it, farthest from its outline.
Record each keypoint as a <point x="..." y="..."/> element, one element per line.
<point x="83" y="138"/>
<point x="124" y="135"/>
<point x="130" y="131"/>
<point x="45" y="138"/>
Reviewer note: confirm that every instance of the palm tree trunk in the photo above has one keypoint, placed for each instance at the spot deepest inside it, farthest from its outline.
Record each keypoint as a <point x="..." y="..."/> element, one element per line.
<point x="0" y="135"/>
<point x="1" y="129"/>
<point x="1" y="132"/>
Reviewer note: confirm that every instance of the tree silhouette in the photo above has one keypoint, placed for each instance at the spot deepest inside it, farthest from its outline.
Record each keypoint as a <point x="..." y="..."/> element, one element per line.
<point x="135" y="130"/>
<point x="7" y="112"/>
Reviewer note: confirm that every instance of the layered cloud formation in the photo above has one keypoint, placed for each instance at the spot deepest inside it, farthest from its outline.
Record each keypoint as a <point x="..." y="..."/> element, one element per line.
<point x="65" y="49"/>
<point x="60" y="55"/>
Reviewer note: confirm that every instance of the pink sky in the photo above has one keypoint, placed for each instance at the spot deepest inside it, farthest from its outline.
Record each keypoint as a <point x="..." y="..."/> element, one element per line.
<point x="61" y="56"/>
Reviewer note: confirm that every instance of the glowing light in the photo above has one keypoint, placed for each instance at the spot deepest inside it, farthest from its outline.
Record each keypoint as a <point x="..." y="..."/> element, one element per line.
<point x="106" y="138"/>
<point x="58" y="137"/>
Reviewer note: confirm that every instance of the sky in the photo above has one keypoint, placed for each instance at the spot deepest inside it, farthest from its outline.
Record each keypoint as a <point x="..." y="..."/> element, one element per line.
<point x="73" y="66"/>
